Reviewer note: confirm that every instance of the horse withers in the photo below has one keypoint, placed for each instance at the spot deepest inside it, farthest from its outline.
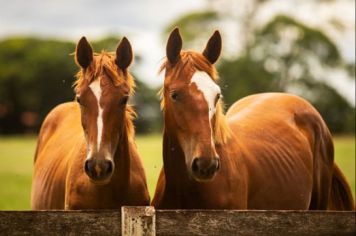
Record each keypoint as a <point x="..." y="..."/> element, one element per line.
<point x="270" y="151"/>
<point x="86" y="157"/>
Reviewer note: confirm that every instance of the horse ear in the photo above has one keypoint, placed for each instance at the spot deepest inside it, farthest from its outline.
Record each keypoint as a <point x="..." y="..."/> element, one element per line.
<point x="124" y="54"/>
<point x="83" y="53"/>
<point x="174" y="46"/>
<point x="213" y="47"/>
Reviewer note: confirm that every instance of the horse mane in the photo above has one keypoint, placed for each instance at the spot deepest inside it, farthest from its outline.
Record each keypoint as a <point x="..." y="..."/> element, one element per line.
<point x="105" y="61"/>
<point x="191" y="61"/>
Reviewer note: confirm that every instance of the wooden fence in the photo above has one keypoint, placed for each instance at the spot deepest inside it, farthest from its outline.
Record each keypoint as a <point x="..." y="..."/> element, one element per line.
<point x="148" y="221"/>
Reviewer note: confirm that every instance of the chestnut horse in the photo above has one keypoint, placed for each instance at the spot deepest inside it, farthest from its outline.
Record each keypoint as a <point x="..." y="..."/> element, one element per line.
<point x="86" y="157"/>
<point x="270" y="151"/>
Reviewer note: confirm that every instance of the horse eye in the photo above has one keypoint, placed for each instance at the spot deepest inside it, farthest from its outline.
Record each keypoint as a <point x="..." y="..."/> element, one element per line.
<point x="124" y="100"/>
<point x="77" y="98"/>
<point x="174" y="96"/>
<point x="218" y="96"/>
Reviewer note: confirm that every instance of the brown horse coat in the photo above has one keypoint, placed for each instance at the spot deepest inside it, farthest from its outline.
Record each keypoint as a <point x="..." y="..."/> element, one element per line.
<point x="278" y="152"/>
<point x="59" y="181"/>
<point x="59" y="178"/>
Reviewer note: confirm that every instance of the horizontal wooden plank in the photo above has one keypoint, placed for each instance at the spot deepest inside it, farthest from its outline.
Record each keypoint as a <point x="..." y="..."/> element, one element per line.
<point x="60" y="223"/>
<point x="226" y="222"/>
<point x="181" y="222"/>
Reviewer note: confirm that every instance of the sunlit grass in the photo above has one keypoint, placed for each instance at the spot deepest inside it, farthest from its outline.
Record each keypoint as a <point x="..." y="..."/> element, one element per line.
<point x="150" y="148"/>
<point x="16" y="159"/>
<point x="345" y="158"/>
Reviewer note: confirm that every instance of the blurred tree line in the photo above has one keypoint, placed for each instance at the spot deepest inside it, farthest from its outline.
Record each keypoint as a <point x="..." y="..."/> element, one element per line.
<point x="37" y="74"/>
<point x="281" y="55"/>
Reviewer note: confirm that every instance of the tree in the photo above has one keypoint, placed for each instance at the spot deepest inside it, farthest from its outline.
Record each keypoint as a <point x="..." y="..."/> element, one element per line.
<point x="282" y="55"/>
<point x="288" y="56"/>
<point x="37" y="74"/>
<point x="147" y="106"/>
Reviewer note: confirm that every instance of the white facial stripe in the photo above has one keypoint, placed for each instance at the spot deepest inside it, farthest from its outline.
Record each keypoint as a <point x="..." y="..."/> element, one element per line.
<point x="96" y="89"/>
<point x="208" y="87"/>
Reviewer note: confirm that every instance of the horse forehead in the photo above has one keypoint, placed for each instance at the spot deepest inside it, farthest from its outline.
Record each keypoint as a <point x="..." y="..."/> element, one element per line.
<point x="101" y="87"/>
<point x="206" y="85"/>
<point x="95" y="87"/>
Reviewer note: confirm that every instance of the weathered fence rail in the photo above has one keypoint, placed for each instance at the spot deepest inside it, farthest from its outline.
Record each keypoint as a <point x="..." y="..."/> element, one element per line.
<point x="148" y="221"/>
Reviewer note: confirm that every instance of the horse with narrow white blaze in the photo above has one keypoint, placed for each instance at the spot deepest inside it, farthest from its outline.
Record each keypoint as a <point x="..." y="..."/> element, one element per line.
<point x="270" y="151"/>
<point x="86" y="157"/>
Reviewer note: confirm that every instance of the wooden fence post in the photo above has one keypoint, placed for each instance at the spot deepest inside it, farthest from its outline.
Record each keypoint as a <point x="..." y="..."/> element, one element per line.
<point x="137" y="221"/>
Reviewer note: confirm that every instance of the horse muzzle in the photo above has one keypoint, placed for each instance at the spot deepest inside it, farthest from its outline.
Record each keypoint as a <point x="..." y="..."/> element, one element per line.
<point x="99" y="170"/>
<point x="204" y="169"/>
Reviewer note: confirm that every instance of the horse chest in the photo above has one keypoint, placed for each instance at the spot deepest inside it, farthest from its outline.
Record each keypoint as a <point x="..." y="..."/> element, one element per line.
<point x="89" y="196"/>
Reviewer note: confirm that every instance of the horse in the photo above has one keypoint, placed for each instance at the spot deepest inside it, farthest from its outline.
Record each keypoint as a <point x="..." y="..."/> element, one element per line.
<point x="86" y="157"/>
<point x="269" y="151"/>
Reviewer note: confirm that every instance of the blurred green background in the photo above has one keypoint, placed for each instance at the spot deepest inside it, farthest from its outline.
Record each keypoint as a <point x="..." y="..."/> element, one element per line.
<point x="301" y="51"/>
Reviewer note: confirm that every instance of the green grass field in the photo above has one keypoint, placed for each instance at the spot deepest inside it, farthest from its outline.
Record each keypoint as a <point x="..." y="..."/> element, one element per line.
<point x="16" y="158"/>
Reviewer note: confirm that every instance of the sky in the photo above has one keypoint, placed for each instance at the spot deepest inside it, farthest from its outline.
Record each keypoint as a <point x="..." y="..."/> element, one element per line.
<point x="143" y="21"/>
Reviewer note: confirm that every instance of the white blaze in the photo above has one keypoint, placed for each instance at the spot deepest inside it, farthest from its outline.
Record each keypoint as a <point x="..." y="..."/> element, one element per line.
<point x="96" y="89"/>
<point x="208" y="87"/>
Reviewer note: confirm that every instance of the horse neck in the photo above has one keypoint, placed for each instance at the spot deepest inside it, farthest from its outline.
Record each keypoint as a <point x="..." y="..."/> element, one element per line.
<point x="177" y="179"/>
<point x="122" y="161"/>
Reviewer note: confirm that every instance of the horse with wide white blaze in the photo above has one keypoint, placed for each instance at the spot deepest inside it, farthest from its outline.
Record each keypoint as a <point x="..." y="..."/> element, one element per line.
<point x="270" y="151"/>
<point x="86" y="157"/>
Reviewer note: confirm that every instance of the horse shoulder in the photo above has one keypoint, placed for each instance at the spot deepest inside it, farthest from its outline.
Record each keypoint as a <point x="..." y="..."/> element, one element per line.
<point x="231" y="194"/>
<point x="51" y="123"/>
<point x="76" y="184"/>
<point x="52" y="157"/>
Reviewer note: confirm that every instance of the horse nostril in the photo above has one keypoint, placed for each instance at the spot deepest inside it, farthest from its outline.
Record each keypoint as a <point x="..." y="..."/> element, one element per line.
<point x="195" y="166"/>
<point x="217" y="160"/>
<point x="109" y="167"/>
<point x="86" y="166"/>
